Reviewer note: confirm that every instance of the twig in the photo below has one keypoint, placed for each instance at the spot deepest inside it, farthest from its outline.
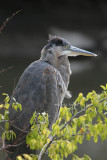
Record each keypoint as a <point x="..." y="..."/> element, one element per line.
<point x="46" y="146"/>
<point x="4" y="70"/>
<point x="20" y="129"/>
<point x="9" y="146"/>
<point x="40" y="155"/>
<point x="83" y="110"/>
<point x="3" y="121"/>
<point x="77" y="134"/>
<point x="7" y="20"/>
<point x="2" y="128"/>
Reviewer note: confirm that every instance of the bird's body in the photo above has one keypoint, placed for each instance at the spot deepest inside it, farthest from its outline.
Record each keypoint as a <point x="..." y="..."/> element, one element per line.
<point x="42" y="87"/>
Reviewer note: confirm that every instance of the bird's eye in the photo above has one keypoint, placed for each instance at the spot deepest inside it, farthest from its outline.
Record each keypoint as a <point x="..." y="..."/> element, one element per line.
<point x="67" y="47"/>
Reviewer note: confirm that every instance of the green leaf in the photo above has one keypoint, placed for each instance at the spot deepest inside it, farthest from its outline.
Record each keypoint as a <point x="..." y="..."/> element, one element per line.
<point x="105" y="120"/>
<point x="19" y="158"/>
<point x="75" y="157"/>
<point x="27" y="157"/>
<point x="89" y="96"/>
<point x="63" y="145"/>
<point x="1" y="106"/>
<point x="80" y="139"/>
<point x="6" y="106"/>
<point x="69" y="147"/>
<point x="86" y="157"/>
<point x="33" y="118"/>
<point x="98" y="118"/>
<point x="105" y="105"/>
<point x="95" y="138"/>
<point x="100" y="108"/>
<point x="80" y="96"/>
<point x="88" y="136"/>
<point x="103" y="87"/>
<point x="1" y="117"/>
<point x="6" y="100"/>
<point x="6" y="115"/>
<point x="3" y="135"/>
<point x="4" y="94"/>
<point x="106" y="86"/>
<point x="12" y="135"/>
<point x="7" y="125"/>
<point x="17" y="106"/>
<point x="82" y="102"/>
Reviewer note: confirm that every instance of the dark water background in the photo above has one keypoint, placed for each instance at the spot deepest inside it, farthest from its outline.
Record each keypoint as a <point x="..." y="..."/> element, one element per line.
<point x="83" y="24"/>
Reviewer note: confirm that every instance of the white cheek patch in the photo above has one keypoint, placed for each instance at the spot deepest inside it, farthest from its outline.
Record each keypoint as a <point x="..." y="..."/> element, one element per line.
<point x="57" y="48"/>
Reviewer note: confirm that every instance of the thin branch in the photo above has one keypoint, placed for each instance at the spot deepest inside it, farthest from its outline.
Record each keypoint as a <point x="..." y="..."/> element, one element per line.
<point x="44" y="149"/>
<point x="2" y="128"/>
<point x="20" y="129"/>
<point x="3" y="121"/>
<point x="7" y="20"/>
<point x="83" y="110"/>
<point x="5" y="70"/>
<point x="77" y="134"/>
<point x="9" y="146"/>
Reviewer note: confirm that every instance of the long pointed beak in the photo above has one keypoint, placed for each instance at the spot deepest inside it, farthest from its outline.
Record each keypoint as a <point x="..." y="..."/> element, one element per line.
<point x="74" y="51"/>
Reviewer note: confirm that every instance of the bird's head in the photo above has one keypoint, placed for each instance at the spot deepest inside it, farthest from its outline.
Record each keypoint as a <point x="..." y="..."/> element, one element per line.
<point x="58" y="47"/>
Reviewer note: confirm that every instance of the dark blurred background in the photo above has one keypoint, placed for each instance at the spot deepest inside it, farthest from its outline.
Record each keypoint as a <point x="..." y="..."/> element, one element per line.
<point x="82" y="22"/>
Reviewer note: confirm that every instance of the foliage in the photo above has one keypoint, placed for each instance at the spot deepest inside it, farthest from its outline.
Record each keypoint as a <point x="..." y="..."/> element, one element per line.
<point x="7" y="134"/>
<point x="85" y="119"/>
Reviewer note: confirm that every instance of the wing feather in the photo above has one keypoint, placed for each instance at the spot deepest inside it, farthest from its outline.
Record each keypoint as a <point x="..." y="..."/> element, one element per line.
<point x="40" y="88"/>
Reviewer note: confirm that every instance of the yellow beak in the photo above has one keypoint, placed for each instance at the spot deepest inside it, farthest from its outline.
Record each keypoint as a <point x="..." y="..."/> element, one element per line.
<point x="74" y="51"/>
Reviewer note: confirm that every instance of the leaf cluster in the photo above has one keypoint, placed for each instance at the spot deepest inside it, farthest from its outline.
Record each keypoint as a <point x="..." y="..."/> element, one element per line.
<point x="39" y="133"/>
<point x="4" y="117"/>
<point x="85" y="119"/>
<point x="89" y="120"/>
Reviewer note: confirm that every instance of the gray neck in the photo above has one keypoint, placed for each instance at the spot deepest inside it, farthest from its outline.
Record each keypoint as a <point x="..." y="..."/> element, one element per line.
<point x="64" y="69"/>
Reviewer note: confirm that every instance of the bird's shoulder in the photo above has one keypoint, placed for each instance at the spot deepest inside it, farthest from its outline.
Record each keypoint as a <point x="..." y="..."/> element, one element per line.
<point x="38" y="72"/>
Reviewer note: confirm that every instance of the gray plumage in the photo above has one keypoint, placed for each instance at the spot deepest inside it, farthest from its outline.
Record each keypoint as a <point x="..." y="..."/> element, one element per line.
<point x="42" y="87"/>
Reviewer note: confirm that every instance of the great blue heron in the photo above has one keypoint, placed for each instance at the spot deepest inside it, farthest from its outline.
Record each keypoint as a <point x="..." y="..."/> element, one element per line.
<point x="43" y="85"/>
